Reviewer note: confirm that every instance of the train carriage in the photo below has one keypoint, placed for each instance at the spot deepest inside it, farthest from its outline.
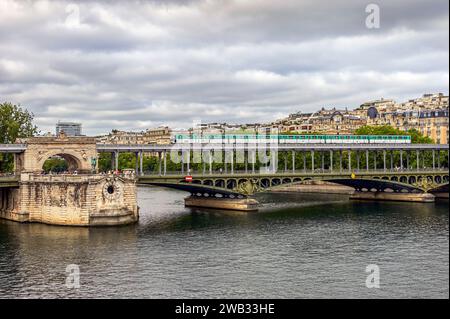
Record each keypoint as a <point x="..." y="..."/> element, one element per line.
<point x="290" y="139"/>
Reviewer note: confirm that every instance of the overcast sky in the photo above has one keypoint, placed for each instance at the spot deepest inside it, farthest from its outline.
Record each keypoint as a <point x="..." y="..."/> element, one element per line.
<point x="138" y="64"/>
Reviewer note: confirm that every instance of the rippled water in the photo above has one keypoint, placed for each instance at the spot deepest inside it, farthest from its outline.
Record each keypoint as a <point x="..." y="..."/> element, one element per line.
<point x="298" y="245"/>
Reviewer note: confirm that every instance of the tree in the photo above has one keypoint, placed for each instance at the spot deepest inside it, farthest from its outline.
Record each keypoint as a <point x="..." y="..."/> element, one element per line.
<point x="56" y="165"/>
<point x="15" y="122"/>
<point x="416" y="136"/>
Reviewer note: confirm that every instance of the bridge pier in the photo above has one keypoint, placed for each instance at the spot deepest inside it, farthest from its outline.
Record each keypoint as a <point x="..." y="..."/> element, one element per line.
<point x="244" y="204"/>
<point x="399" y="197"/>
<point x="71" y="200"/>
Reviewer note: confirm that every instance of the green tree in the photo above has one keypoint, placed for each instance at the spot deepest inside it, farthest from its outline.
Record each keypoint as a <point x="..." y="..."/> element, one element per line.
<point x="15" y="122"/>
<point x="416" y="136"/>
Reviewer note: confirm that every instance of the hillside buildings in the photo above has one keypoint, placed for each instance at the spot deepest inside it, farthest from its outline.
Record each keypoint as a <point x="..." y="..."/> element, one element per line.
<point x="427" y="114"/>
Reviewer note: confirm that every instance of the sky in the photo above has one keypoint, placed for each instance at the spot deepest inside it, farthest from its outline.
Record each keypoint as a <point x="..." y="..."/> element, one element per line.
<point x="132" y="65"/>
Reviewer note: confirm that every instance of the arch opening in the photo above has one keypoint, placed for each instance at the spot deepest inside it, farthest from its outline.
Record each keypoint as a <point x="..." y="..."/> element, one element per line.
<point x="61" y="163"/>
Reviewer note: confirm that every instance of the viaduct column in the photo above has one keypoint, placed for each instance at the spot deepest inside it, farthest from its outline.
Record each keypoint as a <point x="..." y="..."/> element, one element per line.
<point x="323" y="161"/>
<point x="141" y="162"/>
<point x="434" y="160"/>
<point x="136" y="166"/>
<point x="392" y="160"/>
<point x="253" y="161"/>
<point x="210" y="162"/>
<point x="331" y="160"/>
<point x="304" y="161"/>
<point x="357" y="160"/>
<point x="293" y="161"/>
<point x="418" y="160"/>
<point x="349" y="160"/>
<point x="112" y="161"/>
<point x="367" y="160"/>
<point x="407" y="160"/>
<point x="375" y="160"/>
<point x="401" y="160"/>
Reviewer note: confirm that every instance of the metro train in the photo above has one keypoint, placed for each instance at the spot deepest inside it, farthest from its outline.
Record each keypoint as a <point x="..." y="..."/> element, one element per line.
<point x="290" y="139"/>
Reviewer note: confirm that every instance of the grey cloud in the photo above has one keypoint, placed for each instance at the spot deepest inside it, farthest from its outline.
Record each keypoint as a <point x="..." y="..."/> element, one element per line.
<point x="145" y="63"/>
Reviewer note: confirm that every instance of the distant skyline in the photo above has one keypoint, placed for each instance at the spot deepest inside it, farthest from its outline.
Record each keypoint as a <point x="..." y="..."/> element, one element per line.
<point x="140" y="64"/>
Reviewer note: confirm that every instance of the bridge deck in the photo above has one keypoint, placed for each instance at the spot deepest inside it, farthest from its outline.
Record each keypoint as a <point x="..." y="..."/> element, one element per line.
<point x="18" y="148"/>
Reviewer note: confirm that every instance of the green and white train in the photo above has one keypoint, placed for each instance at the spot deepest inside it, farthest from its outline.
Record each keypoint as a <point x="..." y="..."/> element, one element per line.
<point x="290" y="139"/>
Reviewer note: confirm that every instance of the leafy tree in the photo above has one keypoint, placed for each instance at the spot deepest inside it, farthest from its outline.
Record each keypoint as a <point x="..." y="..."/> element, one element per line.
<point x="15" y="122"/>
<point x="416" y="136"/>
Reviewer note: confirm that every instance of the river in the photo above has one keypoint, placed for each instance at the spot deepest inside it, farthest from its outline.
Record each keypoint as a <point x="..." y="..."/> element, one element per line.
<point x="296" y="246"/>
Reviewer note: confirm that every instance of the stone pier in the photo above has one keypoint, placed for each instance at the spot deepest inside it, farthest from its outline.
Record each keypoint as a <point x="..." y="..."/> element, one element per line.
<point x="401" y="197"/>
<point x="245" y="204"/>
<point x="72" y="200"/>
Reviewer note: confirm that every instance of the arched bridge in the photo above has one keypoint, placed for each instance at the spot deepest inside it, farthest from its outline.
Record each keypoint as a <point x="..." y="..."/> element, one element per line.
<point x="243" y="185"/>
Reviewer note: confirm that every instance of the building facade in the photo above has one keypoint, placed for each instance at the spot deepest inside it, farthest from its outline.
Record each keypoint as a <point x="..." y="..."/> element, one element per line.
<point x="160" y="135"/>
<point x="427" y="114"/>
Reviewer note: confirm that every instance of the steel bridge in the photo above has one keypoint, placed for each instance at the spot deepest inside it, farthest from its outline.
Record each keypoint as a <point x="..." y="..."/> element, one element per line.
<point x="379" y="167"/>
<point x="238" y="184"/>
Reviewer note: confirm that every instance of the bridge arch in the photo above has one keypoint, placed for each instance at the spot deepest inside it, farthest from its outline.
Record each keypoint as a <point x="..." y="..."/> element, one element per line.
<point x="73" y="162"/>
<point x="77" y="152"/>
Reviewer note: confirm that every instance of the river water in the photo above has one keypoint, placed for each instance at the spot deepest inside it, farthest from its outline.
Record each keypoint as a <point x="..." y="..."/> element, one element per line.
<point x="296" y="246"/>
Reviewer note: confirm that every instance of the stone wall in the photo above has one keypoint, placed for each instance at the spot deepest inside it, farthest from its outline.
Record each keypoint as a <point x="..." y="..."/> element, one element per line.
<point x="77" y="200"/>
<point x="10" y="205"/>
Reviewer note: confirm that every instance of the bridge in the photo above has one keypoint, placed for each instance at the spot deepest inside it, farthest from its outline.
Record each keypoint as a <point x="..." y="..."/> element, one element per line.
<point x="375" y="171"/>
<point x="240" y="184"/>
<point x="376" y="167"/>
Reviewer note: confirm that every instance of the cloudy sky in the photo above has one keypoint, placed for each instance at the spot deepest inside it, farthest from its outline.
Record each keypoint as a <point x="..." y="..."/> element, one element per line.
<point x="138" y="64"/>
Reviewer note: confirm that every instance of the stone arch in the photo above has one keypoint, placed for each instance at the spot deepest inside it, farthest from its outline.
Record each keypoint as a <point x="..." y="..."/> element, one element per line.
<point x="77" y="151"/>
<point x="74" y="162"/>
